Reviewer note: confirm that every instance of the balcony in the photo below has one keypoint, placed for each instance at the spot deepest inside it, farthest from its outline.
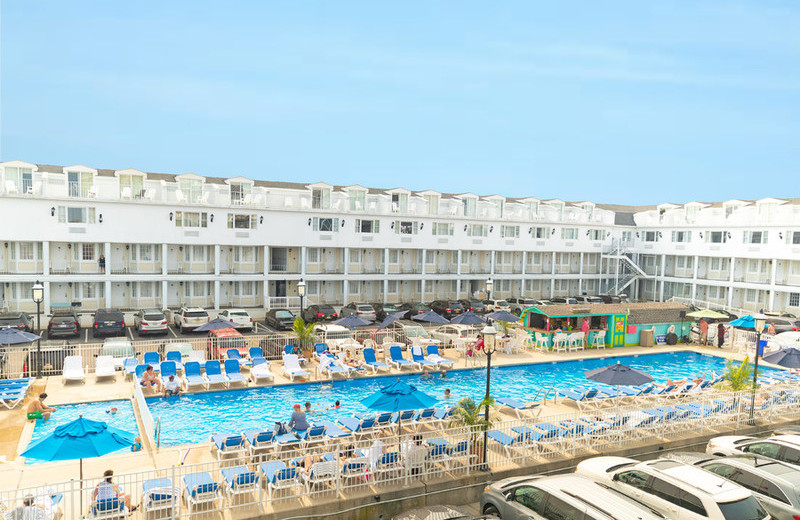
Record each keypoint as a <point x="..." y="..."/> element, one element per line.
<point x="284" y="268"/>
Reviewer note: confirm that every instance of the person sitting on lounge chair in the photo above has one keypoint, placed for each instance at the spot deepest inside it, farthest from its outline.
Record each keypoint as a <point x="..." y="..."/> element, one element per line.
<point x="150" y="379"/>
<point x="37" y="409"/>
<point x="106" y="490"/>
<point x="172" y="387"/>
<point x="298" y="421"/>
<point x="29" y="510"/>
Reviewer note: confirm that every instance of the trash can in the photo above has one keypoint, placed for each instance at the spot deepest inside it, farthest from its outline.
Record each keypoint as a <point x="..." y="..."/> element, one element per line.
<point x="646" y="338"/>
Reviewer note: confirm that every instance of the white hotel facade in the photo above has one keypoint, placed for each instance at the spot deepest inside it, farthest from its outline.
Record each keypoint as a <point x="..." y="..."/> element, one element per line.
<point x="172" y="240"/>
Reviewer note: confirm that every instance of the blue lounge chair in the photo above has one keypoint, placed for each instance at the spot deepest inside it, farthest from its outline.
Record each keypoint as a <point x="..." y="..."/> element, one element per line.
<point x="582" y="398"/>
<point x="256" y="352"/>
<point x="233" y="353"/>
<point x="383" y="420"/>
<point x="168" y="369"/>
<point x="463" y="450"/>
<point x="418" y="357"/>
<point x="365" y="426"/>
<point x="388" y="464"/>
<point x="159" y="496"/>
<point x="193" y="376"/>
<point x="443" y="415"/>
<point x="11" y="397"/>
<point x="129" y="366"/>
<point x="108" y="508"/>
<point x="152" y="358"/>
<point x="320" y="349"/>
<point x="424" y="416"/>
<point x="258" y="440"/>
<point x="228" y="444"/>
<point x="287" y="349"/>
<point x="328" y="364"/>
<point x="371" y="361"/>
<point x="506" y="441"/>
<point x="233" y="371"/>
<point x="435" y="357"/>
<point x="396" y="356"/>
<point x="518" y="406"/>
<point x="214" y="373"/>
<point x="316" y="433"/>
<point x="239" y="480"/>
<point x="332" y="430"/>
<point x="403" y="416"/>
<point x="138" y="371"/>
<point x="200" y="488"/>
<point x="175" y="356"/>
<point x="278" y="476"/>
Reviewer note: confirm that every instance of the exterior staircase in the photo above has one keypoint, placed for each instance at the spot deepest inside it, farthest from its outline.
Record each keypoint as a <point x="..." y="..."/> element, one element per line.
<point x="627" y="271"/>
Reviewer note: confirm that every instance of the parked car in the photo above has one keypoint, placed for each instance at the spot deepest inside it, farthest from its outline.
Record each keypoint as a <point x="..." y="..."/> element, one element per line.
<point x="119" y="349"/>
<point x="108" y="322"/>
<point x="364" y="311"/>
<point x="16" y="320"/>
<point x="610" y="298"/>
<point x="64" y="322"/>
<point x="279" y="319"/>
<point x="675" y="489"/>
<point x="475" y="306"/>
<point x="383" y="309"/>
<point x="319" y="312"/>
<point x="563" y="301"/>
<point x="413" y="309"/>
<point x="517" y="305"/>
<point x="325" y="332"/>
<point x="565" y="497"/>
<point x="220" y="340"/>
<point x="189" y="318"/>
<point x="447" y="308"/>
<point x="775" y="484"/>
<point x="150" y="321"/>
<point x="240" y="318"/>
<point x="184" y="347"/>
<point x="785" y="448"/>
<point x="448" y="333"/>
<point x="496" y="305"/>
<point x="783" y="324"/>
<point x="407" y="331"/>
<point x="588" y="299"/>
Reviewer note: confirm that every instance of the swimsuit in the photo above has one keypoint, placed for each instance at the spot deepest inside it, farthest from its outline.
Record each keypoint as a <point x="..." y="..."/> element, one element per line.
<point x="35" y="415"/>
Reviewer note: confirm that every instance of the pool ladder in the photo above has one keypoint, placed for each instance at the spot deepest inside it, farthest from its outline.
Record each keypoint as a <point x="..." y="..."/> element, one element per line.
<point x="158" y="432"/>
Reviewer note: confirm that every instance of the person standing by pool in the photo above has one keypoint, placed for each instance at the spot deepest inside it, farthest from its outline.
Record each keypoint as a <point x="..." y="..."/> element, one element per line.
<point x="720" y="335"/>
<point x="703" y="332"/>
<point x="298" y="421"/>
<point x="38" y="410"/>
<point x="585" y="330"/>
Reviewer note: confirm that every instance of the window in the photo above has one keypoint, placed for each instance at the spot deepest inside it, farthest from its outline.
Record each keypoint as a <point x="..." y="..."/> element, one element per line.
<point x="530" y="497"/>
<point x="755" y="237"/>
<point x="26" y="251"/>
<point x="239" y="192"/>
<point x="433" y="204"/>
<point x="442" y="228"/>
<point x="326" y="224"/>
<point x="87" y="251"/>
<point x="131" y="186"/>
<point x="691" y="213"/>
<point x="191" y="219"/>
<point x="394" y="256"/>
<point x="145" y="253"/>
<point x="796" y="237"/>
<point x="478" y="230"/>
<point x="76" y="215"/>
<point x="312" y="288"/>
<point x="405" y="227"/>
<point x="470" y="206"/>
<point x="684" y="262"/>
<point x="569" y="233"/>
<point x="79" y="183"/>
<point x="192" y="189"/>
<point x="716" y="237"/>
<point x="354" y="288"/>
<point x="93" y="290"/>
<point x="312" y="255"/>
<point x="240" y="221"/>
<point x="321" y="198"/>
<point x="794" y="299"/>
<point x="750" y="296"/>
<point x="767" y="449"/>
<point x="533" y="209"/>
<point x="637" y="479"/>
<point x="718" y="264"/>
<point x="509" y="231"/>
<point x="399" y="202"/>
<point x="499" y="205"/>
<point x="248" y="288"/>
<point x="589" y="209"/>
<point x="245" y="254"/>
<point x="540" y="232"/>
<point x="756" y="266"/>
<point x="368" y="226"/>
<point x="391" y="287"/>
<point x="358" y="199"/>
<point x="681" y="236"/>
<point x="356" y="256"/>
<point x="557" y="509"/>
<point x="650" y="236"/>
<point x="595" y="234"/>
<point x="666" y="491"/>
<point x="21" y="177"/>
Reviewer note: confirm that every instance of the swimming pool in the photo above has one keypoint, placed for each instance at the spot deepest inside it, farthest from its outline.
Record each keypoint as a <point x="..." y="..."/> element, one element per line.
<point x="193" y="418"/>
<point x="124" y="419"/>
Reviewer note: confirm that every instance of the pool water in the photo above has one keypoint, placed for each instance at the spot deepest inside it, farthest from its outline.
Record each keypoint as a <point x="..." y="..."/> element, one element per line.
<point x="194" y="418"/>
<point x="124" y="419"/>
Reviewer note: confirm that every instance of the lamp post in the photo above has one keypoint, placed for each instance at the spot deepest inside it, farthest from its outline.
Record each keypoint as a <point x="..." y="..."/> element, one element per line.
<point x="489" y="334"/>
<point x="759" y="321"/>
<point x="489" y="285"/>
<point x="37" y="292"/>
<point x="301" y="292"/>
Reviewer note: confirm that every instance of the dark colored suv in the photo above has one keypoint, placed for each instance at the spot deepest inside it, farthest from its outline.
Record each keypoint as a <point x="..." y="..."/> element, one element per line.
<point x="16" y="320"/>
<point x="413" y="309"/>
<point x="320" y="312"/>
<point x="108" y="322"/>
<point x="63" y="323"/>
<point x="475" y="306"/>
<point x="447" y="308"/>
<point x="384" y="309"/>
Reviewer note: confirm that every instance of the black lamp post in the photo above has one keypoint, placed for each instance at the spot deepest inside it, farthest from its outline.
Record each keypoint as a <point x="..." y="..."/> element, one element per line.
<point x="37" y="292"/>
<point x="489" y="334"/>
<point x="759" y="321"/>
<point x="301" y="292"/>
<point x="489" y="285"/>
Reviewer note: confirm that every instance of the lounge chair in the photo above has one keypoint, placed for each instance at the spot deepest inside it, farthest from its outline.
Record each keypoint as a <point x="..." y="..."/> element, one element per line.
<point x="104" y="367"/>
<point x="108" y="508"/>
<point x="584" y="399"/>
<point x="198" y="356"/>
<point x="418" y="357"/>
<point x="506" y="441"/>
<point x="329" y="365"/>
<point x="387" y="465"/>
<point x="260" y="370"/>
<point x="214" y="374"/>
<point x="332" y="430"/>
<point x="175" y="357"/>
<point x="354" y="470"/>
<point x="233" y="371"/>
<point x="278" y="476"/>
<point x="11" y="397"/>
<point x="360" y="427"/>
<point x="315" y="434"/>
<point x="228" y="445"/>
<point x="463" y="451"/>
<point x="159" y="496"/>
<point x="258" y="440"/>
<point x="192" y="375"/>
<point x="424" y="416"/>
<point x="371" y="361"/>
<point x="396" y="358"/>
<point x="517" y="406"/>
<point x="434" y="357"/>
<point x="73" y="369"/>
<point x="129" y="365"/>
<point x="442" y="415"/>
<point x="199" y="488"/>
<point x="152" y="358"/>
<point x="239" y="480"/>
<point x="320" y="349"/>
<point x="255" y="352"/>
<point x="287" y="349"/>
<point x="403" y="416"/>
<point x="321" y="474"/>
<point x="233" y="353"/>
<point x="383" y="420"/>
<point x="291" y="367"/>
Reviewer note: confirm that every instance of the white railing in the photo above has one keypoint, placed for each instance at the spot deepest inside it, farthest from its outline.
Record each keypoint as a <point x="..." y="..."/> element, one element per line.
<point x="709" y="305"/>
<point x="144" y="413"/>
<point x="410" y="454"/>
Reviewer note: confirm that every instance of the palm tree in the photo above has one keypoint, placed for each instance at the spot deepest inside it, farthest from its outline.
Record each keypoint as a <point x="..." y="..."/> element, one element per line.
<point x="304" y="332"/>
<point x="737" y="376"/>
<point x="470" y="414"/>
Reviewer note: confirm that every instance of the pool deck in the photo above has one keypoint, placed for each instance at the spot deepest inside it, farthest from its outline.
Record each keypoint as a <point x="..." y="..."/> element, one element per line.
<point x="16" y="432"/>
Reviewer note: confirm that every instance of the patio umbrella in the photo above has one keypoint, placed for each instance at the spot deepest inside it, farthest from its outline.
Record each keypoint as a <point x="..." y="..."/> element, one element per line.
<point x="468" y="318"/>
<point x="398" y="397"/>
<point x="706" y="313"/>
<point x="744" y="322"/>
<point x="502" y="316"/>
<point x="351" y="320"/>
<point x="430" y="317"/>
<point x="79" y="439"/>
<point x="12" y="336"/>
<point x="618" y="375"/>
<point x="215" y="324"/>
<point x="785" y="357"/>
<point x="786" y="339"/>
<point x="391" y="318"/>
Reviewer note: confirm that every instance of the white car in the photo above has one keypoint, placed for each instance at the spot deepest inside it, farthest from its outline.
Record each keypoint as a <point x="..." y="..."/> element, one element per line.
<point x="239" y="317"/>
<point x="448" y="333"/>
<point x="497" y="305"/>
<point x="190" y="318"/>
<point x="119" y="349"/>
<point x="150" y="321"/>
<point x="785" y="448"/>
<point x="675" y="489"/>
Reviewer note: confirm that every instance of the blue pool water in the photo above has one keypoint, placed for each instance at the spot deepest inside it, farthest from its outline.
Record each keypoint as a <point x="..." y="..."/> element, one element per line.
<point x="124" y="419"/>
<point x="193" y="418"/>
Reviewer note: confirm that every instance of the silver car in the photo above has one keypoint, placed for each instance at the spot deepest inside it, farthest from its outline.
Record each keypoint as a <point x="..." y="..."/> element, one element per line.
<point x="364" y="311"/>
<point x="565" y="497"/>
<point x="150" y="321"/>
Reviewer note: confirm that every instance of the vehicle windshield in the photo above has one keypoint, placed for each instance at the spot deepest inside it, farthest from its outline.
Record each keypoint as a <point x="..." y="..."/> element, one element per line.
<point x="501" y="303"/>
<point x="241" y="314"/>
<point x="108" y="316"/>
<point x="390" y="308"/>
<point x="196" y="314"/>
<point x="745" y="509"/>
<point x="417" y="332"/>
<point x="154" y="317"/>
<point x="365" y="308"/>
<point x="283" y="314"/>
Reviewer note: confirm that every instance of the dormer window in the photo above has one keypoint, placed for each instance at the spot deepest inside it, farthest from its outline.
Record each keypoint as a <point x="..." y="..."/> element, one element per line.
<point x="79" y="183"/>
<point x="559" y="207"/>
<point x="533" y="209"/>
<point x="358" y="200"/>
<point x="192" y="189"/>
<point x="20" y="178"/>
<point x="399" y="202"/>
<point x="470" y="206"/>
<point x="321" y="198"/>
<point x="499" y="206"/>
<point x="691" y="213"/>
<point x="433" y="204"/>
<point x="131" y="186"/>
<point x="240" y="193"/>
<point x="589" y="209"/>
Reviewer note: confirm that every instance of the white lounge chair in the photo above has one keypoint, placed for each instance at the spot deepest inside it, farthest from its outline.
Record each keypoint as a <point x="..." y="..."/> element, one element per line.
<point x="73" y="369"/>
<point x="104" y="367"/>
<point x="291" y="367"/>
<point x="260" y="370"/>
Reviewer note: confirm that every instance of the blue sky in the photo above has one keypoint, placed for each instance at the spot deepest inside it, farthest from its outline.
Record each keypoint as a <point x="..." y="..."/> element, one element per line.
<point x="625" y="102"/>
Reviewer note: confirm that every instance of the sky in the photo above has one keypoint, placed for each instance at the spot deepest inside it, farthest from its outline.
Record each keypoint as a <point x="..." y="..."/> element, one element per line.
<point x="623" y="102"/>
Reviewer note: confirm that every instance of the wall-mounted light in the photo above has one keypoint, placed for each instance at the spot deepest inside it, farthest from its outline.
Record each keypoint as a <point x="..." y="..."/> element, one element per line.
<point x="491" y="228"/>
<point x="212" y="217"/>
<point x="588" y="232"/>
<point x="608" y="234"/>
<point x="170" y="216"/>
<point x="128" y="284"/>
<point x="421" y="225"/>
<point x="780" y="234"/>
<point x="341" y="224"/>
<point x="261" y="219"/>
<point x="127" y="246"/>
<point x="637" y="234"/>
<point x="729" y="234"/>
<point x="309" y="221"/>
<point x="553" y="231"/>
<point x="100" y="218"/>
<point x="660" y="234"/>
<point x="392" y="226"/>
<point x="466" y="226"/>
<point x="530" y="230"/>
<point x="69" y="283"/>
<point x="180" y="248"/>
<point x="69" y="246"/>
<point x="6" y="245"/>
<point x="53" y="211"/>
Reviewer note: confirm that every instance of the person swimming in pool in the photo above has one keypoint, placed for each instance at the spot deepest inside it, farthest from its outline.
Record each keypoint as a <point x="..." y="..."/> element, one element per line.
<point x="112" y="411"/>
<point x="425" y="376"/>
<point x="443" y="374"/>
<point x="447" y="393"/>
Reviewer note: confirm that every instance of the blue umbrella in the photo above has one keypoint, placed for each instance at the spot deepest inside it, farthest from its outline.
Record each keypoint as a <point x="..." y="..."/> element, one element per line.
<point x="430" y="317"/>
<point x="396" y="397"/>
<point x="468" y="318"/>
<point x="12" y="336"/>
<point x="215" y="324"/>
<point x="351" y="320"/>
<point x="747" y="322"/>
<point x="785" y="357"/>
<point x="391" y="318"/>
<point x="502" y="316"/>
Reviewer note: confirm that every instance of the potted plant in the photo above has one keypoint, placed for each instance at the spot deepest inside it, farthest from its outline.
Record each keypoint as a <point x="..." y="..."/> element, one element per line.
<point x="737" y="376"/>
<point x="471" y="414"/>
<point x="305" y="336"/>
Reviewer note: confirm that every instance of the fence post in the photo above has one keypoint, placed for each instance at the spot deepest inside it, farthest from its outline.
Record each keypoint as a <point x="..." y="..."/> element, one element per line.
<point x="176" y="508"/>
<point x="72" y="499"/>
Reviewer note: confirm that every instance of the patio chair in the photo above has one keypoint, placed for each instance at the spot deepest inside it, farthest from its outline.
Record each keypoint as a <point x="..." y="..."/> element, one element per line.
<point x="234" y="354"/>
<point x="12" y="396"/>
<point x="152" y="358"/>
<point x="192" y="375"/>
<point x="354" y="471"/>
<point x="359" y="427"/>
<point x="239" y="480"/>
<point x="418" y="357"/>
<point x="371" y="361"/>
<point x="261" y="370"/>
<point x="291" y="367"/>
<point x="517" y="406"/>
<point x="198" y="356"/>
<point x="258" y="440"/>
<point x="214" y="374"/>
<point x="287" y="350"/>
<point x="560" y="342"/>
<point x="397" y="360"/>
<point x="415" y="461"/>
<point x="228" y="445"/>
<point x="199" y="488"/>
<point x="321" y="474"/>
<point x="104" y="367"/>
<point x="599" y="340"/>
<point x="256" y="352"/>
<point x="278" y="476"/>
<point x="73" y="369"/>
<point x="175" y="357"/>
<point x="434" y="357"/>
<point x="330" y="366"/>
<point x="320" y="349"/>
<point x="129" y="365"/>
<point x="583" y="399"/>
<point x="159" y="496"/>
<point x="168" y="369"/>
<point x="315" y="434"/>
<point x="108" y="508"/>
<point x="387" y="465"/>
<point x="542" y="342"/>
<point x="233" y="372"/>
<point x="575" y="341"/>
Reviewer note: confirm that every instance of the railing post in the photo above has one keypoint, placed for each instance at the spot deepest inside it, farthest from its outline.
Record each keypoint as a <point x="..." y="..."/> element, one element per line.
<point x="72" y="499"/>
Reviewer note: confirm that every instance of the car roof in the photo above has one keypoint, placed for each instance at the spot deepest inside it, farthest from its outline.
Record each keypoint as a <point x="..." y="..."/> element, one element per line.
<point x="117" y="341"/>
<point x="152" y="310"/>
<point x="193" y="309"/>
<point x="226" y="333"/>
<point x="775" y="469"/>
<point x="720" y="489"/>
<point x="597" y="497"/>
<point x="11" y="315"/>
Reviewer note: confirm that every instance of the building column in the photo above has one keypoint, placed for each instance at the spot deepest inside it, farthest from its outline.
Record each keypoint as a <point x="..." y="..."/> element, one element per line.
<point x="385" y="290"/>
<point x="46" y="302"/>
<point x="494" y="260"/>
<point x="424" y="261"/>
<point x="345" y="292"/>
<point x="107" y="254"/>
<point x="302" y="260"/>
<point x="265" y="281"/>
<point x="422" y="290"/>
<point x="386" y="262"/>
<point x="553" y="263"/>
<point x="663" y="269"/>
<point x="216" y="288"/>
<point x="458" y="288"/>
<point x="580" y="274"/>
<point x="552" y="287"/>
<point x="107" y="284"/>
<point x="164" y="294"/>
<point x="346" y="255"/>
<point x="216" y="265"/>
<point x="772" y="277"/>
<point x="45" y="258"/>
<point x="458" y="265"/>
<point x="694" y="277"/>
<point x="164" y="262"/>
<point x="730" y="281"/>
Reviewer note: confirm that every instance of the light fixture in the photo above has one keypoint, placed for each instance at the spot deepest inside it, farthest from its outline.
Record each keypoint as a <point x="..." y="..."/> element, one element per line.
<point x="53" y="211"/>
<point x="421" y="225"/>
<point x="660" y="234"/>
<point x="637" y="234"/>
<point x="780" y="235"/>
<point x="170" y="216"/>
<point x="181" y="282"/>
<point x="530" y="230"/>
<point x="180" y="248"/>
<point x="261" y="219"/>
<point x="729" y="234"/>
<point x="588" y="232"/>
<point x="6" y="245"/>
<point x="393" y="225"/>
<point x="212" y="217"/>
<point x="341" y="224"/>
<point x="465" y="227"/>
<point x="491" y="228"/>
<point x="553" y="231"/>
<point x="127" y="246"/>
<point x="100" y="218"/>
<point x="128" y="284"/>
<point x="69" y="246"/>
<point x="37" y="292"/>
<point x="701" y="234"/>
